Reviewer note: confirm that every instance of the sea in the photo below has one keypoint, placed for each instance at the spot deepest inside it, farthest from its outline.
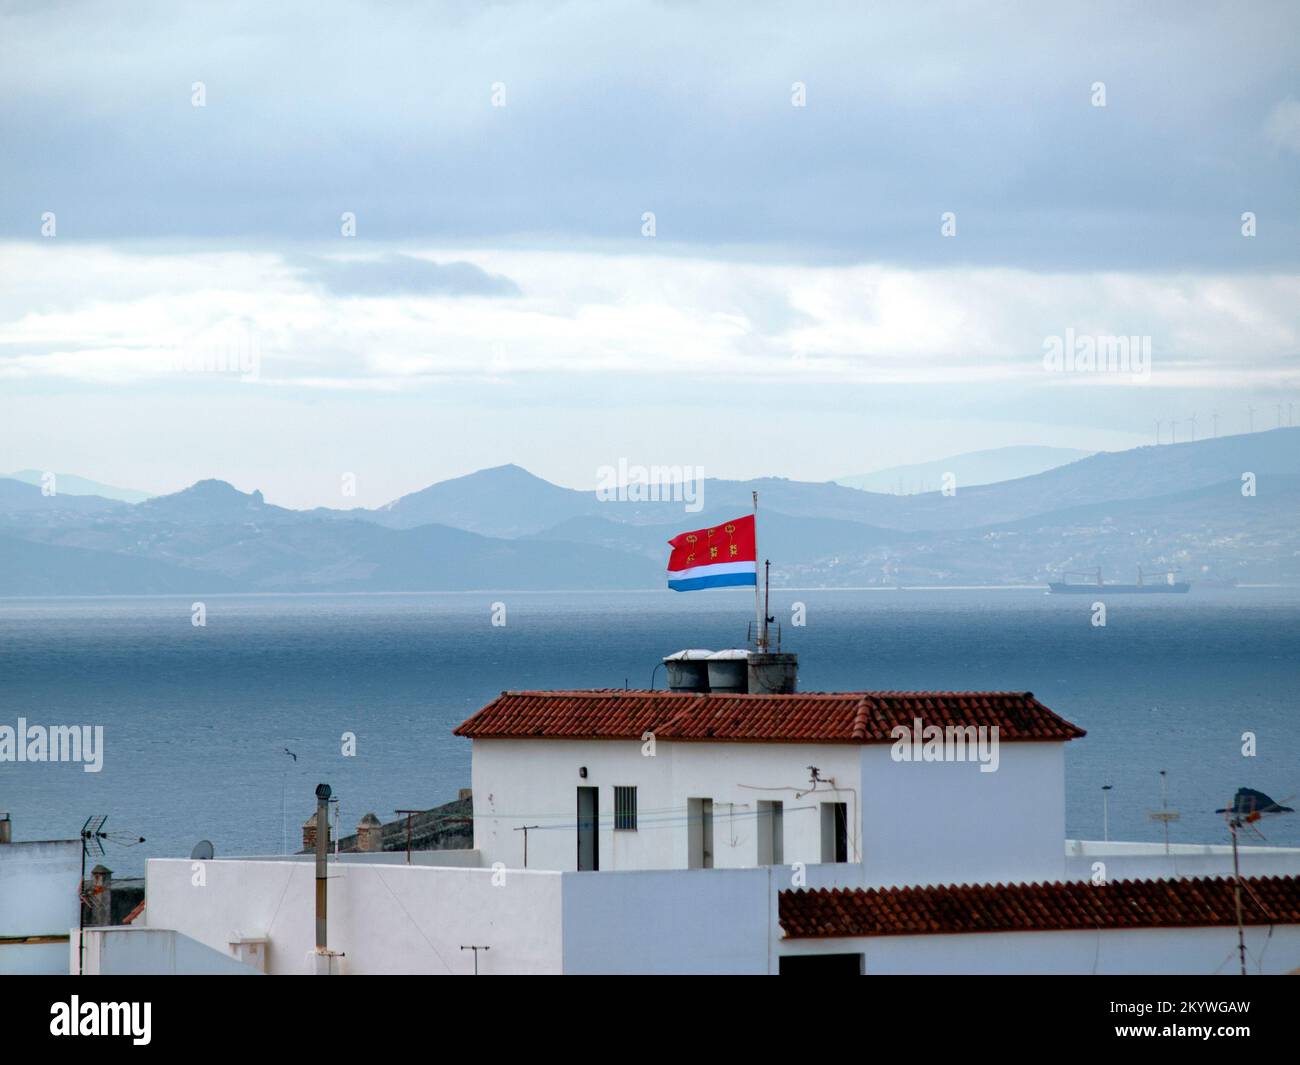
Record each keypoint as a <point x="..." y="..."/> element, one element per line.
<point x="222" y="731"/>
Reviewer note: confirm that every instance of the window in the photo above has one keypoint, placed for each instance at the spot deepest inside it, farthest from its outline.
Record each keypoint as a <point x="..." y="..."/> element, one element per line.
<point x="624" y="809"/>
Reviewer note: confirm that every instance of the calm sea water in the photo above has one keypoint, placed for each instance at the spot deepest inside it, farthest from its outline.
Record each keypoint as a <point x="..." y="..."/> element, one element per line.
<point x="196" y="720"/>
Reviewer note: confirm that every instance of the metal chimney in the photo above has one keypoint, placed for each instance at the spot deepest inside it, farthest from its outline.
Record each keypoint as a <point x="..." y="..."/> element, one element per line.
<point x="322" y="850"/>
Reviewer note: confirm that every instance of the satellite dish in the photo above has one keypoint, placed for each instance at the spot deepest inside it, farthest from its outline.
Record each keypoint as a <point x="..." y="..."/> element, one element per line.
<point x="202" y="851"/>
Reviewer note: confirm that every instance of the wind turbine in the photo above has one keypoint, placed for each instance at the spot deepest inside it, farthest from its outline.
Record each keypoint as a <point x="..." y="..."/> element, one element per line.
<point x="1157" y="432"/>
<point x="1279" y="415"/>
<point x="1215" y="415"/>
<point x="1173" y="429"/>
<point x="1192" y="419"/>
<point x="1250" y="411"/>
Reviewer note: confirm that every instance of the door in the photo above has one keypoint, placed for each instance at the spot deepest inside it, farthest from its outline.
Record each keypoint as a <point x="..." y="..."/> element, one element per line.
<point x="588" y="822"/>
<point x="835" y="832"/>
<point x="699" y="833"/>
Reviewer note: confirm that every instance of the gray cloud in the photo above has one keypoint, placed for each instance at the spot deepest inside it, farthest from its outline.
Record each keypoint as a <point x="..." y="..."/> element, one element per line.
<point x="611" y="110"/>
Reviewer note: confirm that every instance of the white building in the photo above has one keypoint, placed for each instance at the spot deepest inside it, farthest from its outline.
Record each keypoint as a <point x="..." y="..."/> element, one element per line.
<point x="39" y="889"/>
<point x="619" y="780"/>
<point x="669" y="832"/>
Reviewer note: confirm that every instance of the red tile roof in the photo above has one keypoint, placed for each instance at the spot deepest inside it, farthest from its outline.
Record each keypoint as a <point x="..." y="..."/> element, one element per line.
<point x="1075" y="906"/>
<point x="839" y="717"/>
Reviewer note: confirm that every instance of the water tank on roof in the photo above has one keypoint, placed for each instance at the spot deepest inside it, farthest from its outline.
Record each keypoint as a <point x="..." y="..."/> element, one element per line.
<point x="729" y="671"/>
<point x="688" y="671"/>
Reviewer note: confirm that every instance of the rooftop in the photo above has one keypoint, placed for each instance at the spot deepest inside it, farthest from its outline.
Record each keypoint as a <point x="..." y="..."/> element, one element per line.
<point x="813" y="717"/>
<point x="1056" y="907"/>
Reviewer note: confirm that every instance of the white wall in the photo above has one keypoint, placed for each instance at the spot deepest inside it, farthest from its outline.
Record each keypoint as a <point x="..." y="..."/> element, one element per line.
<point x="948" y="823"/>
<point x="1194" y="951"/>
<point x="1146" y="861"/>
<point x="131" y="951"/>
<point x="38" y="897"/>
<point x="696" y="921"/>
<point x="534" y="782"/>
<point x="384" y="918"/>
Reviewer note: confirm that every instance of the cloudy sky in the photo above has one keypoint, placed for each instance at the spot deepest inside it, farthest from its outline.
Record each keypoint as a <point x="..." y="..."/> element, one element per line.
<point x="802" y="240"/>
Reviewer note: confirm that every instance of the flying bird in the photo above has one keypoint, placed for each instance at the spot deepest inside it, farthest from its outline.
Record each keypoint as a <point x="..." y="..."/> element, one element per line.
<point x="290" y="753"/>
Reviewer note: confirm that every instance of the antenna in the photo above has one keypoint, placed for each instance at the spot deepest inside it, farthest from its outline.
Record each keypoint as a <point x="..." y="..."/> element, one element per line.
<point x="1247" y="807"/>
<point x="92" y="843"/>
<point x="1165" y="815"/>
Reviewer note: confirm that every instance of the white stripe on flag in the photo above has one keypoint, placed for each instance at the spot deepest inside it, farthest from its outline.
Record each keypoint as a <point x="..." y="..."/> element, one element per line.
<point x="713" y="570"/>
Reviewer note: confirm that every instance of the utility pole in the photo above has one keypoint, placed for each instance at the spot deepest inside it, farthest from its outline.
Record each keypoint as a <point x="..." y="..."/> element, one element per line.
<point x="1234" y="822"/>
<point x="525" y="829"/>
<point x="409" y="815"/>
<point x="475" y="949"/>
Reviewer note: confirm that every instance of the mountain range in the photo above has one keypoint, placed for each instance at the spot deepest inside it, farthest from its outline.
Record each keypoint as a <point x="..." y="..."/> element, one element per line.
<point x="1179" y="506"/>
<point x="971" y="468"/>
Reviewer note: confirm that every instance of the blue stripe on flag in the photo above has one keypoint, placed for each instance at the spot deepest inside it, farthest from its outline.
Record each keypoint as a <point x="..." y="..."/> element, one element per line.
<point x="717" y="580"/>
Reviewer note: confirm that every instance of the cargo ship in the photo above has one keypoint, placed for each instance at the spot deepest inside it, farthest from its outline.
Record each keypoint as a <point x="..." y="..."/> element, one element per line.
<point x="1096" y="584"/>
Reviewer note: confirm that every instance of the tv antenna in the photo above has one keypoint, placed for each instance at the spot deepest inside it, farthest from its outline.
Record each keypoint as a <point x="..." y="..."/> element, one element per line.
<point x="92" y="844"/>
<point x="1247" y="807"/>
<point x="1165" y="815"/>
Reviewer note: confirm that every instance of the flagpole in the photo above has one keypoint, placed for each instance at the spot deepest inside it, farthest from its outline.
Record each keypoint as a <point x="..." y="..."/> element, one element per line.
<point x="758" y="609"/>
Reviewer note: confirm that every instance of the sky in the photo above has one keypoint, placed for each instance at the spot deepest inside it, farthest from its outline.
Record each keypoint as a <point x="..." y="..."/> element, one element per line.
<point x="277" y="244"/>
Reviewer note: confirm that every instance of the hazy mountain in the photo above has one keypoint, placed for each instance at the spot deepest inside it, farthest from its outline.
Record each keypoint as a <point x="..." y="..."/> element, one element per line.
<point x="37" y="569"/>
<point x="211" y="502"/>
<point x="502" y="501"/>
<point x="72" y="485"/>
<point x="1177" y="505"/>
<point x="212" y="537"/>
<point x="19" y="500"/>
<point x="783" y="539"/>
<point x="968" y="469"/>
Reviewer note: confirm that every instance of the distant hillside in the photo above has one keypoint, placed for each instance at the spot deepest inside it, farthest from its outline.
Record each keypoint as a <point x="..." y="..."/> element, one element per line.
<point x="968" y="469"/>
<point x="72" y="485"/>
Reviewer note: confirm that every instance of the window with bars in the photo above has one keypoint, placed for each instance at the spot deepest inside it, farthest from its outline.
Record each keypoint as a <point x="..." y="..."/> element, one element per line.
<point x="624" y="809"/>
